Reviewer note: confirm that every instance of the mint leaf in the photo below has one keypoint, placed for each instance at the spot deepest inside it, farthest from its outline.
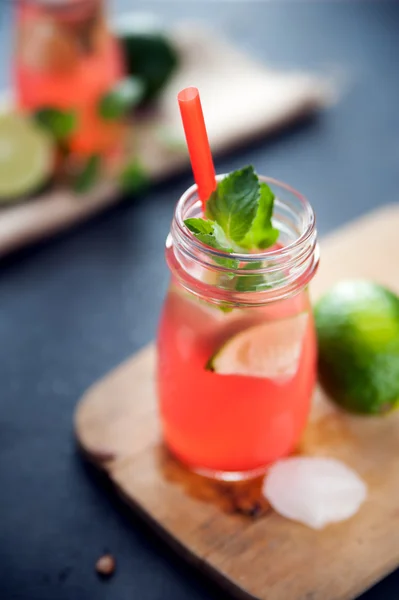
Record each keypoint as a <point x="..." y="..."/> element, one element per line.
<point x="124" y="96"/>
<point x="134" y="177"/>
<point x="202" y="228"/>
<point x="262" y="234"/>
<point x="251" y="283"/>
<point x="88" y="175"/>
<point x="59" y="123"/>
<point x="222" y="240"/>
<point x="197" y="226"/>
<point x="209" y="233"/>
<point x="233" y="205"/>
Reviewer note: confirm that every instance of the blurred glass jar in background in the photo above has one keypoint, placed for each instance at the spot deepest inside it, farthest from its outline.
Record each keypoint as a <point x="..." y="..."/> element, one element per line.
<point x="67" y="58"/>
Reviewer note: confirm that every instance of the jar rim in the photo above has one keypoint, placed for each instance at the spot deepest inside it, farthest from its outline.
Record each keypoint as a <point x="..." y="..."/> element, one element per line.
<point x="242" y="256"/>
<point x="211" y="273"/>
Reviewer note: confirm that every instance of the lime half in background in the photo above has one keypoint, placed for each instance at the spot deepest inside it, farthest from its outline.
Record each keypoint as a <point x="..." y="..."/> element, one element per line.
<point x="26" y="157"/>
<point x="358" y="335"/>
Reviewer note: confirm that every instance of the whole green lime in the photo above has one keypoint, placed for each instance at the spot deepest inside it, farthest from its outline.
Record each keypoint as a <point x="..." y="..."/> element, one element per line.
<point x="358" y="336"/>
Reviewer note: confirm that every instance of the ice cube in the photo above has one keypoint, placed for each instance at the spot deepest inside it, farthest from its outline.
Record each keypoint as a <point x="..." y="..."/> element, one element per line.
<point x="314" y="491"/>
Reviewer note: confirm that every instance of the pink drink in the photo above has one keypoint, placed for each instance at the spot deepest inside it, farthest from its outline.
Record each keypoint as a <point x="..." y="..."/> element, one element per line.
<point x="67" y="59"/>
<point x="235" y="386"/>
<point x="228" y="422"/>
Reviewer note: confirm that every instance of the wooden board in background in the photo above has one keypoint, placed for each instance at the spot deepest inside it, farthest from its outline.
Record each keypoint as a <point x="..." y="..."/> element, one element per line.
<point x="242" y="100"/>
<point x="268" y="558"/>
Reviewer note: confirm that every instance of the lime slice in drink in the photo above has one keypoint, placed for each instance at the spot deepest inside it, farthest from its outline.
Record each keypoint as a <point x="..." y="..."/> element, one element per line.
<point x="358" y="334"/>
<point x="271" y="350"/>
<point x="26" y="156"/>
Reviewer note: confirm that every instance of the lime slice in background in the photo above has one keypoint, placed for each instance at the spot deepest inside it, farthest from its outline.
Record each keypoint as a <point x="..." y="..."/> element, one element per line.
<point x="26" y="156"/>
<point x="271" y="350"/>
<point x="358" y="335"/>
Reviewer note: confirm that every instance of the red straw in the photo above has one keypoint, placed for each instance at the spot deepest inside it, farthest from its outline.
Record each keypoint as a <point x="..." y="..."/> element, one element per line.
<point x="197" y="142"/>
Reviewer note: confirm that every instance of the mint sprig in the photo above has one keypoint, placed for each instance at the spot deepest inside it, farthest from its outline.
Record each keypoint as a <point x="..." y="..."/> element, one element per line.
<point x="242" y="208"/>
<point x="239" y="214"/>
<point x="239" y="219"/>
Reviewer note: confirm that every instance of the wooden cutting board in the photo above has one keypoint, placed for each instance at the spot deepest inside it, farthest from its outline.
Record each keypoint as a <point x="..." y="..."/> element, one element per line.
<point x="225" y="529"/>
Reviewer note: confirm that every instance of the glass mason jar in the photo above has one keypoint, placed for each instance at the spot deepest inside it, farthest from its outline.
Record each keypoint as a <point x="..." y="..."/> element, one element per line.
<point x="66" y="58"/>
<point x="236" y="343"/>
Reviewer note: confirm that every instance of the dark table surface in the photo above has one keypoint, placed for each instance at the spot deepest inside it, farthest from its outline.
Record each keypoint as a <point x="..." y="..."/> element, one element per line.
<point x="73" y="308"/>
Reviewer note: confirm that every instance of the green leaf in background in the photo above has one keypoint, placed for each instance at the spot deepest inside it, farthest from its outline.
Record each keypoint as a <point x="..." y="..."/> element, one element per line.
<point x="234" y="203"/>
<point x="169" y="139"/>
<point x="88" y="176"/>
<point x="60" y="123"/>
<point x="118" y="101"/>
<point x="134" y="177"/>
<point x="149" y="53"/>
<point x="262" y="233"/>
<point x="210" y="234"/>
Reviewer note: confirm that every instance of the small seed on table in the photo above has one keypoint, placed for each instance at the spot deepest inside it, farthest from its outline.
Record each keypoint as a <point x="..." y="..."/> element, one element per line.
<point x="105" y="566"/>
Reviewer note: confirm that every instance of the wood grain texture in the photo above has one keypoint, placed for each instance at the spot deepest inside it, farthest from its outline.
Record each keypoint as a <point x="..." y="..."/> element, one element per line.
<point x="242" y="100"/>
<point x="214" y="524"/>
